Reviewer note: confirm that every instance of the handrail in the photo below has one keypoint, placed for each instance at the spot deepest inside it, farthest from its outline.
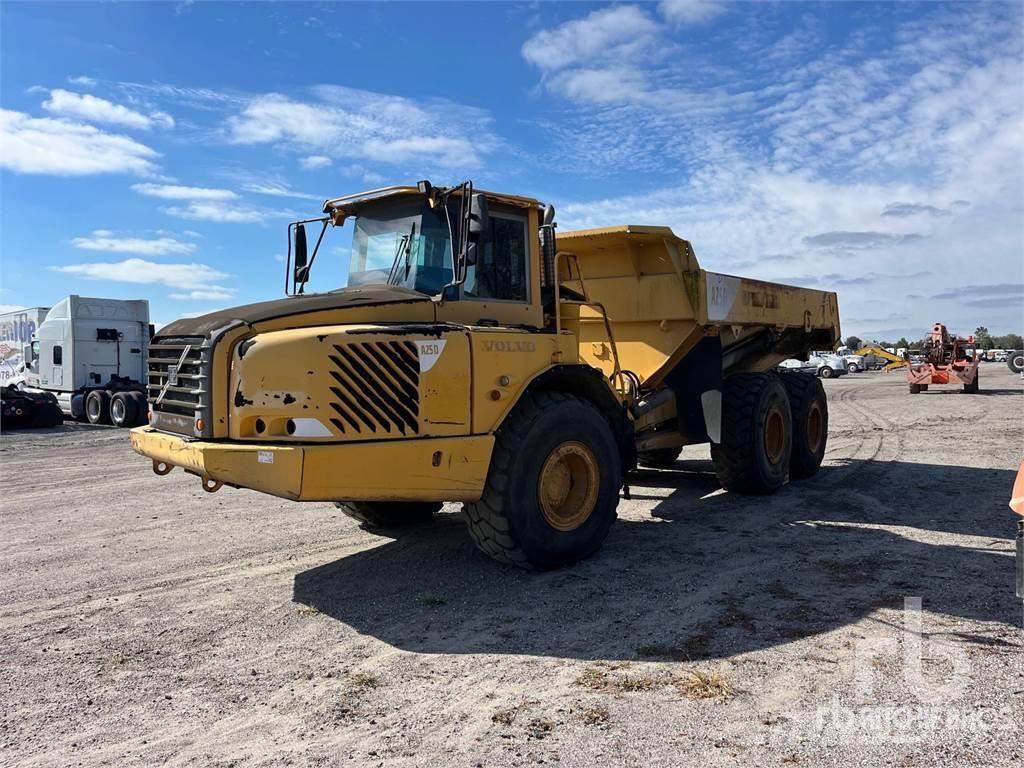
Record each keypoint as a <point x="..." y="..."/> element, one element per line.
<point x="617" y="369"/>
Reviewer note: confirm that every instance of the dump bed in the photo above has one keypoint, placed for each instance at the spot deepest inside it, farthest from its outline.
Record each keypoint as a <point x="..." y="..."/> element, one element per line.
<point x="661" y="303"/>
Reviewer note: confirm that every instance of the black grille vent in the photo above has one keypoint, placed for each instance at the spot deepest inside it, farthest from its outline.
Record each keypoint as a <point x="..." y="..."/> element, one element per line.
<point x="186" y="394"/>
<point x="376" y="388"/>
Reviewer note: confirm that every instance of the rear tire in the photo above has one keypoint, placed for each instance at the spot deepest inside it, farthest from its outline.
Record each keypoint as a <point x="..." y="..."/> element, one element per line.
<point x="553" y="485"/>
<point x="122" y="410"/>
<point x="141" y="408"/>
<point x="660" y="458"/>
<point x="825" y="372"/>
<point x="1015" y="361"/>
<point x="972" y="388"/>
<point x="757" y="434"/>
<point x="97" y="407"/>
<point x="809" y="411"/>
<point x="390" y="514"/>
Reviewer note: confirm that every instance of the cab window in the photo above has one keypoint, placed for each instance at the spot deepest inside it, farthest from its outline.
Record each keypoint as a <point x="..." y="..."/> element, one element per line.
<point x="58" y="355"/>
<point x="500" y="271"/>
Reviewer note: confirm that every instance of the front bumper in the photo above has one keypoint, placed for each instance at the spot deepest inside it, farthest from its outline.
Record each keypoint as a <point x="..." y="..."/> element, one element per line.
<point x="426" y="469"/>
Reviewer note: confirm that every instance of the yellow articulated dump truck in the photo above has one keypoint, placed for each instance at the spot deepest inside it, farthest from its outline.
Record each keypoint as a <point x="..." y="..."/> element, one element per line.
<point x="476" y="356"/>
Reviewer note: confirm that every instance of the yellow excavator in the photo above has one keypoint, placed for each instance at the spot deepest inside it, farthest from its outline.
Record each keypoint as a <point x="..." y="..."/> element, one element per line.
<point x="895" y="361"/>
<point x="476" y="356"/>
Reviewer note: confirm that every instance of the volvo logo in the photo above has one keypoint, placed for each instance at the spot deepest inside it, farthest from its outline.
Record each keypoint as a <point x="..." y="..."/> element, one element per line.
<point x="509" y="346"/>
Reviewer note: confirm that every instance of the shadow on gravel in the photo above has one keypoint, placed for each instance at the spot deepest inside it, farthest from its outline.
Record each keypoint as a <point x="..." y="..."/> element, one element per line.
<point x="951" y="390"/>
<point x="709" y="575"/>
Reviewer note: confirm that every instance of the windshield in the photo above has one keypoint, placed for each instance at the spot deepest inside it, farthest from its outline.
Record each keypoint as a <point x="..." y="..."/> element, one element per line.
<point x="404" y="243"/>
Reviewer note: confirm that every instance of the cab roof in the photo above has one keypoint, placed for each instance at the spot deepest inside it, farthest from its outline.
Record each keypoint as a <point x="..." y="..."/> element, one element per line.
<point x="350" y="203"/>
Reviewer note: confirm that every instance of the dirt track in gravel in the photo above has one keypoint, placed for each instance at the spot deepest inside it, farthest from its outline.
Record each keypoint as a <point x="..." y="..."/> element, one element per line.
<point x="144" y="621"/>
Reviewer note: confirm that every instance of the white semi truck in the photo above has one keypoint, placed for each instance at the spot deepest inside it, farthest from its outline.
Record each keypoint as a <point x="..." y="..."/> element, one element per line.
<point x="91" y="355"/>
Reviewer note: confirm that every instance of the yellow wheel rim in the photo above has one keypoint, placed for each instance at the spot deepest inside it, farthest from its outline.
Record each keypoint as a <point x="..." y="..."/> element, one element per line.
<point x="774" y="435"/>
<point x="815" y="424"/>
<point x="567" y="486"/>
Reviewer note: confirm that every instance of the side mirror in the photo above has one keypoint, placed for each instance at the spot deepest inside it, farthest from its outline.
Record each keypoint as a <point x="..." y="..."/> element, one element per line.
<point x="479" y="219"/>
<point x="301" y="273"/>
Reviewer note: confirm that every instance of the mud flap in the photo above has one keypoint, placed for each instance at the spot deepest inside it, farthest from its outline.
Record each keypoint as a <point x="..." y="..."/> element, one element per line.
<point x="711" y="404"/>
<point x="696" y="382"/>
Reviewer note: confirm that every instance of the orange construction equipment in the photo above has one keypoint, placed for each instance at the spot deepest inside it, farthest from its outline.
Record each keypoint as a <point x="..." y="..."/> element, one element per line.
<point x="947" y="361"/>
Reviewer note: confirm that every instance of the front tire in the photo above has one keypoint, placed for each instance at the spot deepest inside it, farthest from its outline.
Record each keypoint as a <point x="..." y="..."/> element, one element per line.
<point x="390" y="514"/>
<point x="852" y="368"/>
<point x="972" y="388"/>
<point x="757" y="434"/>
<point x="825" y="372"/>
<point x="1015" y="361"/>
<point x="553" y="485"/>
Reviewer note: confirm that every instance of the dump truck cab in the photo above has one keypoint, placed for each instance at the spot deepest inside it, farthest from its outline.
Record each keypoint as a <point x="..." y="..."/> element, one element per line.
<point x="471" y="357"/>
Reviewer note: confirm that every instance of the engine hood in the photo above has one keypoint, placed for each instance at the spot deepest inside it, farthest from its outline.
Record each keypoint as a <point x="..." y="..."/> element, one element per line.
<point x="250" y="314"/>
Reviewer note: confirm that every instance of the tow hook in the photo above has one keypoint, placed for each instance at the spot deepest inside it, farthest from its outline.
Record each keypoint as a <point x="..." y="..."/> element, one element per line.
<point x="210" y="485"/>
<point x="162" y="467"/>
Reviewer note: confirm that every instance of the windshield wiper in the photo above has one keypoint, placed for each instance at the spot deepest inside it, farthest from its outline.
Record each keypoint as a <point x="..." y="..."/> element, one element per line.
<point x="404" y="245"/>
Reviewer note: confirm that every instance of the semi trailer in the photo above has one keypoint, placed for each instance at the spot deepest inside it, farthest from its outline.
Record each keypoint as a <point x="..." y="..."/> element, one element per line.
<point x="90" y="354"/>
<point x="478" y="356"/>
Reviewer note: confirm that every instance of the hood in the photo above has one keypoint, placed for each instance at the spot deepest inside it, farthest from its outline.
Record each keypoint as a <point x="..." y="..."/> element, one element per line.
<point x="250" y="314"/>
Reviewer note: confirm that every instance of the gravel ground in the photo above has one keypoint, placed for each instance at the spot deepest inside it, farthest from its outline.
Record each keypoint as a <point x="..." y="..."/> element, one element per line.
<point x="144" y="621"/>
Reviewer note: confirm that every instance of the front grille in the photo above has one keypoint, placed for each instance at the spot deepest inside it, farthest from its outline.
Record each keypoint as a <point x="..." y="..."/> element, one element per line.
<point x="376" y="388"/>
<point x="179" y="402"/>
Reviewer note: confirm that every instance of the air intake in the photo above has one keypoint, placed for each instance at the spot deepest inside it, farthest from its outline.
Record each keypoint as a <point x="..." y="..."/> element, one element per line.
<point x="377" y="388"/>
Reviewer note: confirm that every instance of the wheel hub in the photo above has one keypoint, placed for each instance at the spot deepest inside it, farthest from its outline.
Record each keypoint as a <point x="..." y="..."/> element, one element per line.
<point x="774" y="435"/>
<point x="814" y="427"/>
<point x="567" y="486"/>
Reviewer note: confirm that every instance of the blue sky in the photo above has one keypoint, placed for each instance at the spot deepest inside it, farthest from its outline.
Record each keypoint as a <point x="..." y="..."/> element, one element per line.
<point x="157" y="150"/>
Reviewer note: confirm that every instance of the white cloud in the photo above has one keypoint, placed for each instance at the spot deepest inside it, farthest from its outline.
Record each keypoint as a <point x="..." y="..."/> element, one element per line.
<point x="188" y="277"/>
<point x="691" y="11"/>
<point x="82" y="80"/>
<point x="215" y="295"/>
<point x="314" y="162"/>
<point x="94" y="109"/>
<point x="613" y="33"/>
<point x="176" y="192"/>
<point x="371" y="126"/>
<point x="278" y="189"/>
<point x="65" y="148"/>
<point x="103" y="240"/>
<point x="447" y="152"/>
<point x="223" y="213"/>
<point x="839" y="174"/>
